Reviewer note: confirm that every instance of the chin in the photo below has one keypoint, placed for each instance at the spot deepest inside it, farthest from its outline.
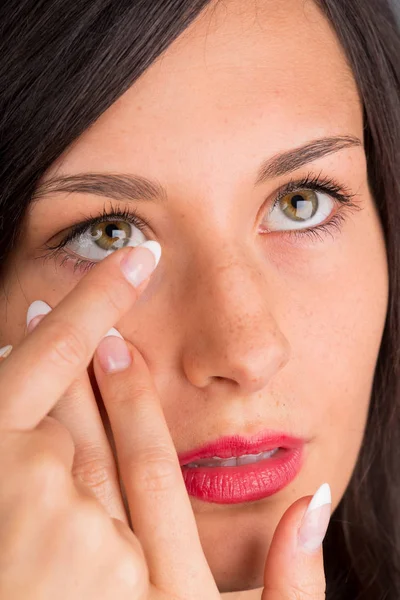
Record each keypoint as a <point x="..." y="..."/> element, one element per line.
<point x="236" y="547"/>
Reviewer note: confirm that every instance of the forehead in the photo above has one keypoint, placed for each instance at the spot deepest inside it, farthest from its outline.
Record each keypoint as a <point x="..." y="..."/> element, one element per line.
<point x="268" y="72"/>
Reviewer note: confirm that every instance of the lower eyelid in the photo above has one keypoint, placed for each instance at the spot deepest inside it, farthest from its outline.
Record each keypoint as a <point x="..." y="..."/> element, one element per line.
<point x="61" y="257"/>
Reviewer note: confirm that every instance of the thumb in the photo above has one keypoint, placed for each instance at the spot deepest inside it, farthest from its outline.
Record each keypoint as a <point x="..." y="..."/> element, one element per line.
<point x="295" y="568"/>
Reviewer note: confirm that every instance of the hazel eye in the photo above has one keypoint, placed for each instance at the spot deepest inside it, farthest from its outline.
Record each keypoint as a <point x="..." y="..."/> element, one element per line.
<point x="299" y="209"/>
<point x="100" y="239"/>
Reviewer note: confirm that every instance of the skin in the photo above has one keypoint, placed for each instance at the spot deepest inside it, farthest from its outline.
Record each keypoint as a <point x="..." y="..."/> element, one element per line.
<point x="284" y="353"/>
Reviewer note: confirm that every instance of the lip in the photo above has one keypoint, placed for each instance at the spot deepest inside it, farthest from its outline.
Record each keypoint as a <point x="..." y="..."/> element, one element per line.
<point x="236" y="445"/>
<point x="244" y="483"/>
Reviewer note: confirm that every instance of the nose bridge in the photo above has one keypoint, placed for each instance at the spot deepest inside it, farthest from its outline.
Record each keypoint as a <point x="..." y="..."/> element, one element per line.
<point x="233" y="331"/>
<point x="234" y="286"/>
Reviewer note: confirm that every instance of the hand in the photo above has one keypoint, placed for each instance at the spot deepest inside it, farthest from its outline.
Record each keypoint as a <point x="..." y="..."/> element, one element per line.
<point x="57" y="540"/>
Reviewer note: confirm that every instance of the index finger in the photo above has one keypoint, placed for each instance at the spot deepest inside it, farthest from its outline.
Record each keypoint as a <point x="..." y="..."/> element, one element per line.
<point x="41" y="369"/>
<point x="160" y="511"/>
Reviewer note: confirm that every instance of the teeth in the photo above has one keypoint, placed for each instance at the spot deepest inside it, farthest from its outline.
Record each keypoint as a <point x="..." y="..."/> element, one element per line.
<point x="246" y="459"/>
<point x="250" y="458"/>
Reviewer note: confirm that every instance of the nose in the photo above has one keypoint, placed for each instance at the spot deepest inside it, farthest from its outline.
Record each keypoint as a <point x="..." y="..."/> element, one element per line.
<point x="231" y="330"/>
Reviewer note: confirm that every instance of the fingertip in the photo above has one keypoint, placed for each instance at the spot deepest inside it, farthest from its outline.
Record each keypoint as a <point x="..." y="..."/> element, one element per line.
<point x="322" y="496"/>
<point x="294" y="564"/>
<point x="113" y="354"/>
<point x="34" y="322"/>
<point x="36" y="308"/>
<point x="113" y="331"/>
<point x="5" y="351"/>
<point x="316" y="520"/>
<point x="154" y="247"/>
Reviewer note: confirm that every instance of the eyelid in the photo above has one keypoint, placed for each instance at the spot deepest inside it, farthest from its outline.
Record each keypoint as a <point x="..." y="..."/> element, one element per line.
<point x="314" y="182"/>
<point x="114" y="213"/>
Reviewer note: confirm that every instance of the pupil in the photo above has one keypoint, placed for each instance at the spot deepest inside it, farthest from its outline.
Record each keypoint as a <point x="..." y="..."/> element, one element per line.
<point x="297" y="198"/>
<point x="109" y="230"/>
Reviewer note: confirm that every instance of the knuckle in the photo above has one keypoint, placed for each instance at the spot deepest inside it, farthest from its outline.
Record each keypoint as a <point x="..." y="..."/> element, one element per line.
<point x="156" y="470"/>
<point x="80" y="524"/>
<point x="87" y="520"/>
<point x="133" y="391"/>
<point x="127" y="534"/>
<point x="138" y="391"/>
<point x="68" y="347"/>
<point x="131" y="570"/>
<point x="93" y="469"/>
<point x="130" y="392"/>
<point x="116" y="295"/>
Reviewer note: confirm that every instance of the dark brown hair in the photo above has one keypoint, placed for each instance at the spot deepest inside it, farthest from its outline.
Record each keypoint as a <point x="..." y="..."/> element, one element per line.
<point x="62" y="64"/>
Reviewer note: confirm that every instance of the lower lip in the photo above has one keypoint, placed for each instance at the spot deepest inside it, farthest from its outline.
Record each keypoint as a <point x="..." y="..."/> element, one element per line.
<point x="231" y="485"/>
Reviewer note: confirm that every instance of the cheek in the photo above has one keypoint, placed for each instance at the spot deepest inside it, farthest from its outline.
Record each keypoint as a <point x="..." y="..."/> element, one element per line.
<point x="27" y="280"/>
<point x="20" y="287"/>
<point x="337" y="324"/>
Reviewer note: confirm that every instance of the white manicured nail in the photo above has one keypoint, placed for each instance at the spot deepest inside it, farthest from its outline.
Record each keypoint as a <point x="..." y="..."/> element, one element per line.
<point x="114" y="331"/>
<point x="37" y="308"/>
<point x="316" y="519"/>
<point x="5" y="351"/>
<point x="154" y="247"/>
<point x="137" y="266"/>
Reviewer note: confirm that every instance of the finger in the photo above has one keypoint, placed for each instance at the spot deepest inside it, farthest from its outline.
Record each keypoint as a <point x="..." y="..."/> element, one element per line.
<point x="60" y="348"/>
<point x="160" y="509"/>
<point x="5" y="351"/>
<point x="295" y="567"/>
<point x="94" y="464"/>
<point x="94" y="470"/>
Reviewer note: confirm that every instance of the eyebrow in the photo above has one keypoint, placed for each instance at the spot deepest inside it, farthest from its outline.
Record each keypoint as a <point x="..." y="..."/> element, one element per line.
<point x="136" y="187"/>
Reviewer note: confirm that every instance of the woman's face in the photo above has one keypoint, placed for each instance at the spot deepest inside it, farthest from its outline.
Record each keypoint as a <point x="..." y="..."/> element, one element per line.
<point x="244" y="325"/>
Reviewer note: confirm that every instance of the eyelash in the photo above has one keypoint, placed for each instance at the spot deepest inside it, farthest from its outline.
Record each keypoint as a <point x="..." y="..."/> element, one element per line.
<point x="327" y="185"/>
<point x="114" y="214"/>
<point x="317" y="183"/>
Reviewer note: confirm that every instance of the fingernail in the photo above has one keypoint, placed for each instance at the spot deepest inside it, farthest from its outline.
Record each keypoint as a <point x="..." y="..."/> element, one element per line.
<point x="33" y="322"/>
<point x="140" y="262"/>
<point x="37" y="308"/>
<point x="113" y="354"/>
<point x="5" y="351"/>
<point x="316" y="519"/>
<point x="114" y="331"/>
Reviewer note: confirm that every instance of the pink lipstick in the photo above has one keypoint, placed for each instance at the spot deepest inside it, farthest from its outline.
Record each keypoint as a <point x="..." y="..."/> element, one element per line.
<point x="236" y="469"/>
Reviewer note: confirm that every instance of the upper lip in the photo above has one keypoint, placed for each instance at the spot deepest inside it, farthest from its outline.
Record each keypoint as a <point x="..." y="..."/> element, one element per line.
<point x="237" y="445"/>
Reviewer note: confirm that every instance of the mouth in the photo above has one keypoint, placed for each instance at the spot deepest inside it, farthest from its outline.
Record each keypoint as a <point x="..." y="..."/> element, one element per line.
<point x="233" y="461"/>
<point x="235" y="469"/>
<point x="238" y="450"/>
